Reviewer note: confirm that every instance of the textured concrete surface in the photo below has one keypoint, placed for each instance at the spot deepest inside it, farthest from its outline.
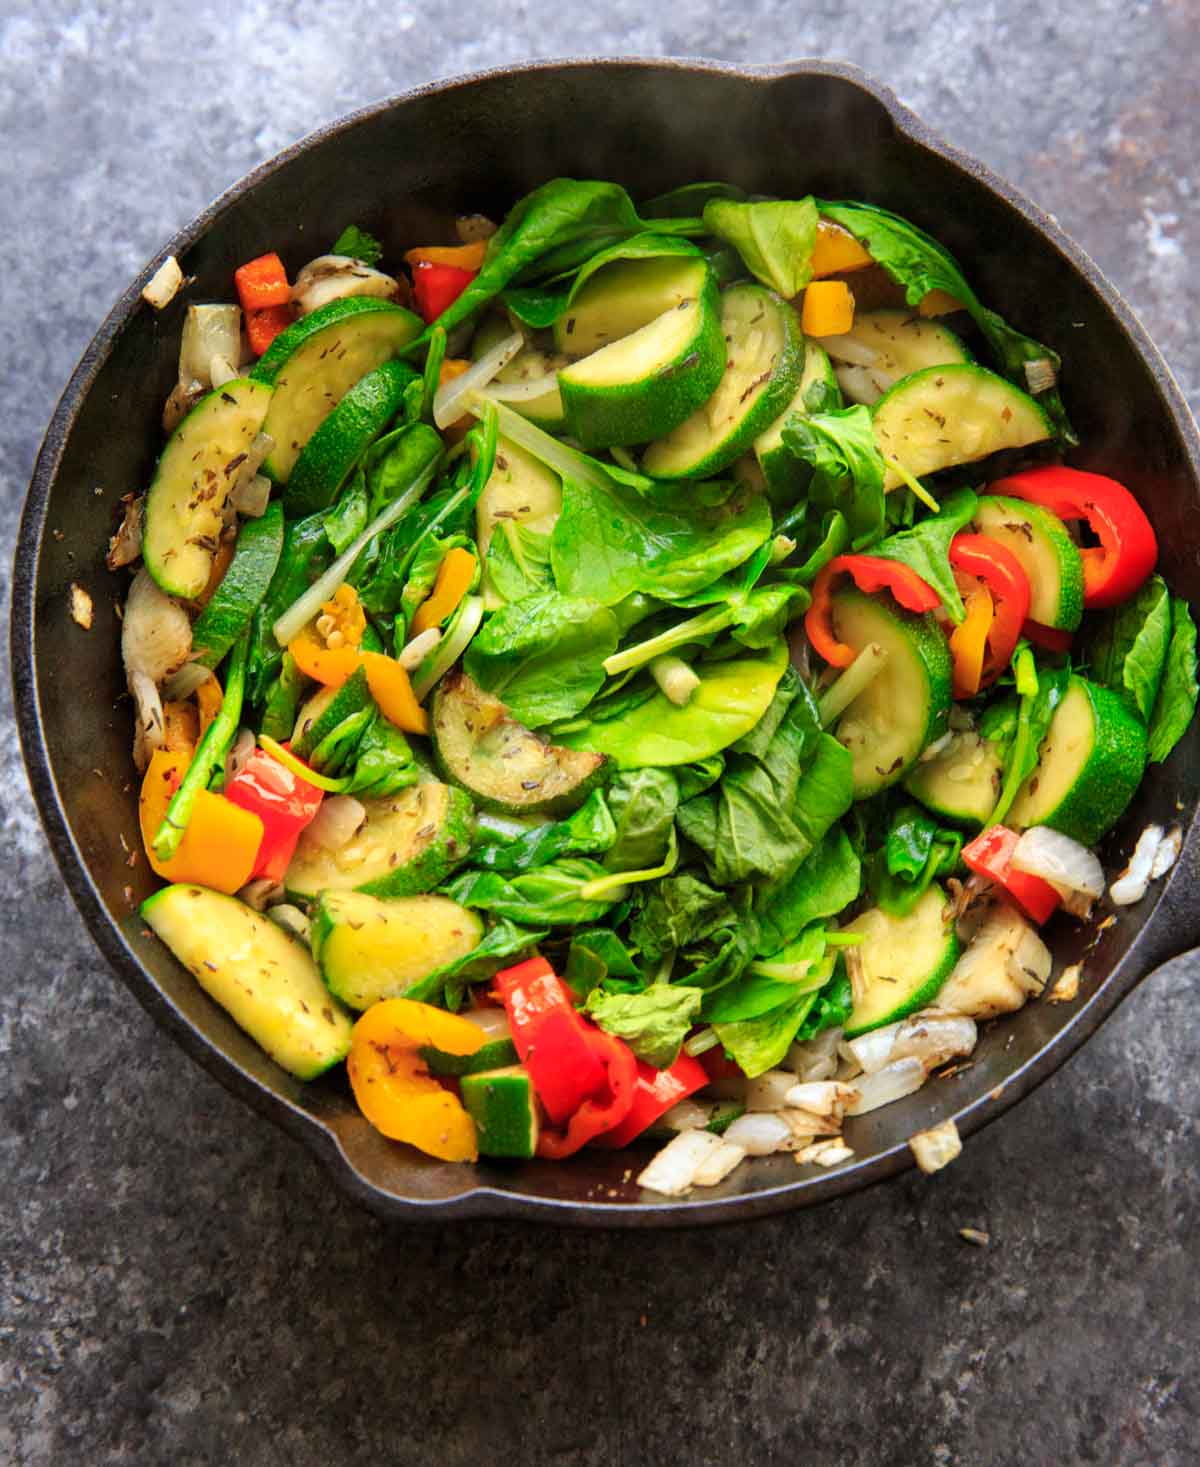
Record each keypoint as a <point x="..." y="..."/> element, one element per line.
<point x="180" y="1285"/>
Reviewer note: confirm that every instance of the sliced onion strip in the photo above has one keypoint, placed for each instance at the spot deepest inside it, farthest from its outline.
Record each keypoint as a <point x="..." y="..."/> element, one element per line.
<point x="453" y="398"/>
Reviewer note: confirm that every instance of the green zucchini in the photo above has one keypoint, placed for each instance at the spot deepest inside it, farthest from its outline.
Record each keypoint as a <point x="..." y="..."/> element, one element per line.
<point x="329" y="456"/>
<point x="185" y="504"/>
<point x="1091" y="763"/>
<point x="370" y="949"/>
<point x="505" y="1111"/>
<point x="905" y="708"/>
<point x="521" y="491"/>
<point x="499" y="762"/>
<point x="962" y="781"/>
<point x="763" y="366"/>
<point x="949" y="415"/>
<point x="409" y="843"/>
<point x="621" y="298"/>
<point x="786" y="476"/>
<point x="317" y="360"/>
<point x="530" y="364"/>
<point x="265" y="979"/>
<point x="886" y="345"/>
<point x="327" y="710"/>
<point x="905" y="960"/>
<point x="1047" y="554"/>
<point x="241" y="588"/>
<point x="495" y="1054"/>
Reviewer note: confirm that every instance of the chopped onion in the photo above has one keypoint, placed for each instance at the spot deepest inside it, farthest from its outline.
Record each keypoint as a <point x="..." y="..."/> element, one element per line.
<point x="892" y="1083"/>
<point x="450" y="648"/>
<point x="163" y="286"/>
<point x="415" y="652"/>
<point x="301" y="612"/>
<point x="334" y="278"/>
<point x="833" y="1154"/>
<point x="935" y="1038"/>
<point x="221" y="371"/>
<point x="526" y="391"/>
<point x="673" y="1171"/>
<point x="251" y="499"/>
<point x="338" y="820"/>
<point x="209" y="332"/>
<point x="717" y="1165"/>
<point x="1168" y="853"/>
<point x="936" y="1147"/>
<point x="184" y="683"/>
<point x="156" y="635"/>
<point x="1056" y="858"/>
<point x="815" y="1059"/>
<point x="149" y="729"/>
<point x="453" y="398"/>
<point x="864" y="384"/>
<point x="761" y="1134"/>
<point x="1040" y="375"/>
<point x="859" y="676"/>
<point x="824" y="1103"/>
<point x="1066" y="985"/>
<point x="769" y="1091"/>
<point x="874" y="1050"/>
<point x="687" y="1115"/>
<point x="492" y="1019"/>
<point x="934" y="749"/>
<point x="239" y="751"/>
<point x="182" y="399"/>
<point x="848" y="348"/>
<point x="291" y="919"/>
<point x="261" y="893"/>
<point x="1132" y="884"/>
<point x="126" y="545"/>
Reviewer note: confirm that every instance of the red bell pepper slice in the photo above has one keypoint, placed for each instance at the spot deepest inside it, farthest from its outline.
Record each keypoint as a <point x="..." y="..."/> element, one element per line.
<point x="1049" y="639"/>
<point x="437" y="287"/>
<point x="262" y="282"/>
<point x="603" y="1111"/>
<point x="1128" y="549"/>
<point x="655" y="1092"/>
<point x="553" y="1040"/>
<point x="284" y="803"/>
<point x="990" y="855"/>
<point x="870" y="573"/>
<point x="1000" y="571"/>
<point x="262" y="327"/>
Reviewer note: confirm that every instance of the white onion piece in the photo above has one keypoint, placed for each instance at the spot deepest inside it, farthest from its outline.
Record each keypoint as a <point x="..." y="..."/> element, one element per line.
<point x="261" y="893"/>
<point x="239" y="751"/>
<point x="251" y="499"/>
<point x="848" y="348"/>
<point x="523" y="391"/>
<point x="934" y="749"/>
<point x="823" y="1102"/>
<point x="221" y="371"/>
<point x="761" y="1134"/>
<point x="162" y="287"/>
<point x="1058" y="859"/>
<point x="337" y="821"/>
<point x="416" y="651"/>
<point x="864" y="384"/>
<point x="815" y="1059"/>
<point x="1168" y="853"/>
<point x="452" y="399"/>
<point x="892" y="1083"/>
<point x="873" y="1050"/>
<point x="673" y="1171"/>
<point x="291" y="919"/>
<point x="156" y="635"/>
<point x="937" y="1147"/>
<point x="452" y="646"/>
<point x="687" y="1115"/>
<point x="184" y="683"/>
<point x="149" y="729"/>
<point x="208" y="332"/>
<point x="1133" y="882"/>
<point x="769" y="1091"/>
<point x="492" y="1019"/>
<point x="717" y="1165"/>
<point x="334" y="278"/>
<point x="935" y="1038"/>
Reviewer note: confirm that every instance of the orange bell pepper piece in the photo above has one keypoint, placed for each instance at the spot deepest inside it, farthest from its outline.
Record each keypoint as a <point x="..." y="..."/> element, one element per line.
<point x="328" y="665"/>
<point x="454" y="578"/>
<point x="462" y="257"/>
<point x="221" y="841"/>
<point x="262" y="282"/>
<point x="828" y="308"/>
<point x="968" y="641"/>
<point x="392" y="1086"/>
<point x="836" y="250"/>
<point x="262" y="327"/>
<point x="393" y="692"/>
<point x="181" y="727"/>
<point x="209" y="698"/>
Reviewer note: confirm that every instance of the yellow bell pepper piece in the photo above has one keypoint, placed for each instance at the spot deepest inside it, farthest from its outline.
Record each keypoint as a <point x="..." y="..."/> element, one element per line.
<point x="221" y="841"/>
<point x="394" y="1090"/>
<point x="462" y="257"/>
<point x="968" y="641"/>
<point x="209" y="698"/>
<point x="454" y="578"/>
<point x="836" y="250"/>
<point x="181" y="727"/>
<point x="342" y="621"/>
<point x="828" y="308"/>
<point x="393" y="692"/>
<point x="328" y="665"/>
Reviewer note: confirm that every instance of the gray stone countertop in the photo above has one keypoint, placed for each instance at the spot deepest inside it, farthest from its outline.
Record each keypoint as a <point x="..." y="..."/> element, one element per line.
<point x="181" y="1284"/>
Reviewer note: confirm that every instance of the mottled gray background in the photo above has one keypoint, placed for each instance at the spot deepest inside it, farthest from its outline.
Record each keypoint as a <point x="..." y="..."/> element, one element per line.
<point x="180" y="1283"/>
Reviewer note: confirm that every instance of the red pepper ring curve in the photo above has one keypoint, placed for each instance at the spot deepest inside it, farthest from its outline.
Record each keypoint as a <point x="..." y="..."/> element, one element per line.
<point x="600" y="1112"/>
<point x="655" y="1092"/>
<point x="870" y="573"/>
<point x="1128" y="549"/>
<point x="1000" y="570"/>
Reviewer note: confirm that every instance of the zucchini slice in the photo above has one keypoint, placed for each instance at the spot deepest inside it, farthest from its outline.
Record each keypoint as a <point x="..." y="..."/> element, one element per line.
<point x="241" y="588"/>
<point x="907" y="704"/>
<point x="648" y="382"/>
<point x="621" y="298"/>
<point x="764" y="363"/>
<point x="316" y="361"/>
<point x="950" y="415"/>
<point x="505" y="1111"/>
<point x="408" y="844"/>
<point x="327" y="710"/>
<point x="328" y="457"/>
<point x="530" y="364"/>
<point x="1092" y="761"/>
<point x="498" y="761"/>
<point x="370" y="949"/>
<point x="185" y="504"/>
<point x="785" y="475"/>
<point x="905" y="961"/>
<point x="1047" y="555"/>
<point x="962" y="781"/>
<point x="265" y="979"/>
<point x="522" y="491"/>
<point x="884" y="346"/>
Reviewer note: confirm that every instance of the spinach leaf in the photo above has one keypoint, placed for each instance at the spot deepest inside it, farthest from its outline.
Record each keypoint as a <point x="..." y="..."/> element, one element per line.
<point x="597" y="954"/>
<point x="426" y="561"/>
<point x="827" y="790"/>
<point x="394" y="461"/>
<point x="689" y="201"/>
<point x="543" y="656"/>
<point x="822" y="886"/>
<point x="542" y="307"/>
<point x="347" y="517"/>
<point x="559" y="894"/>
<point x="694" y="779"/>
<point x="920" y="265"/>
<point x="584" y="832"/>
<point x="759" y="1044"/>
<point x="774" y="237"/>
<point x="1128" y="650"/>
<point x="643" y="804"/>
<point x="801" y="967"/>
<point x="909" y="842"/>
<point x="358" y="244"/>
<point x="1023" y="733"/>
<point x="926" y="547"/>
<point x="609" y="542"/>
<point x="1176" y="701"/>
<point x="502" y="941"/>
<point x="654" y="1023"/>
<point x="383" y="762"/>
<point x="847" y="467"/>
<point x="832" y="1008"/>
<point x="518" y="561"/>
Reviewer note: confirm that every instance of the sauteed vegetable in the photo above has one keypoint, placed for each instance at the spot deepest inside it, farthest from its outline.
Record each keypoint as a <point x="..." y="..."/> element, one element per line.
<point x="636" y="671"/>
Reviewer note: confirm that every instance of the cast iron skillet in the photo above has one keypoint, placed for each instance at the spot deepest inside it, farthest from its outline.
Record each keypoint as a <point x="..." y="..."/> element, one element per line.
<point x="402" y="169"/>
